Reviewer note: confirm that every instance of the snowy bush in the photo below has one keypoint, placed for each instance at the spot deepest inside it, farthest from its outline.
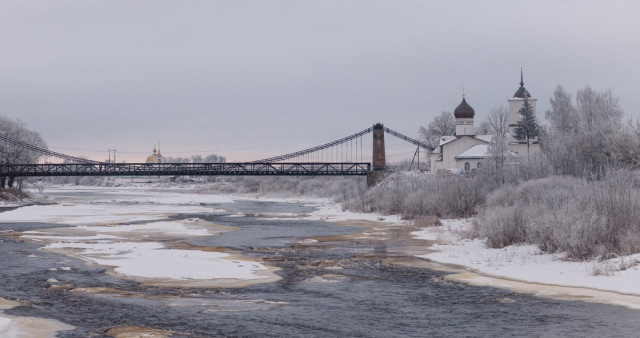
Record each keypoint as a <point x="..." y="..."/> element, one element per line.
<point x="583" y="218"/>
<point x="412" y="195"/>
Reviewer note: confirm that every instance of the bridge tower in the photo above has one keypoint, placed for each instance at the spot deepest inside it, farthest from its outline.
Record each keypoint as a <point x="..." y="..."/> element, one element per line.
<point x="379" y="162"/>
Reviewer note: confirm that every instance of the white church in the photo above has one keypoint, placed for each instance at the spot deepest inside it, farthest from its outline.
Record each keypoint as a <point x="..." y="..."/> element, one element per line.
<point x="466" y="151"/>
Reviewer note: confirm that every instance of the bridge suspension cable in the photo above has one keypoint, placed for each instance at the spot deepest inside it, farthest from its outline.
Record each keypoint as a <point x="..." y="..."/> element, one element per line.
<point x="335" y="153"/>
<point x="316" y="149"/>
<point x="406" y="138"/>
<point x="46" y="152"/>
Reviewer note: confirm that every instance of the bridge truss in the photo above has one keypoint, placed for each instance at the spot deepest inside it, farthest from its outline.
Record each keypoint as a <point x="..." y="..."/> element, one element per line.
<point x="186" y="169"/>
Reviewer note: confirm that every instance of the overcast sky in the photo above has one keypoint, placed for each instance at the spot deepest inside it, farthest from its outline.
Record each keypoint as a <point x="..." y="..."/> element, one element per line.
<point x="252" y="79"/>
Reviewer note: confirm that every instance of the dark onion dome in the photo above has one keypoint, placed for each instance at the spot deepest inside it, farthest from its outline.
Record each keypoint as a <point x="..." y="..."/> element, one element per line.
<point x="522" y="92"/>
<point x="464" y="110"/>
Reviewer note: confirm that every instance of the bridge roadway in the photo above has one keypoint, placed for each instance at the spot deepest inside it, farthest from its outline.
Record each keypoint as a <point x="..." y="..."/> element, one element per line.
<point x="184" y="169"/>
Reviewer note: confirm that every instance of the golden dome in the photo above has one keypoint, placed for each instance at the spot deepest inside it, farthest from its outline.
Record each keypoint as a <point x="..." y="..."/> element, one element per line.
<point x="156" y="157"/>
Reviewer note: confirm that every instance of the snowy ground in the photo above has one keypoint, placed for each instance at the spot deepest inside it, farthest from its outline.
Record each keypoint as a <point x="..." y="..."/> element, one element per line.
<point x="526" y="263"/>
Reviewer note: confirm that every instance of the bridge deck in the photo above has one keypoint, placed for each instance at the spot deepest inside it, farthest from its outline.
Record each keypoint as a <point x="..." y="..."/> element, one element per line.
<point x="183" y="169"/>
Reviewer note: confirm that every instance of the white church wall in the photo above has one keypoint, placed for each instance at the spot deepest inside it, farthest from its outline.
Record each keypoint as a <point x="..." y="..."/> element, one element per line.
<point x="452" y="149"/>
<point x="473" y="164"/>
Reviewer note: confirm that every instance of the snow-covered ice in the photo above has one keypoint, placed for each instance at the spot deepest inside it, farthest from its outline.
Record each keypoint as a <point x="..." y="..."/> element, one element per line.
<point x="526" y="263"/>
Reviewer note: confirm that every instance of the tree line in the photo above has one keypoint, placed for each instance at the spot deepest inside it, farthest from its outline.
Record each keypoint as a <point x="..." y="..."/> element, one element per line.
<point x="211" y="158"/>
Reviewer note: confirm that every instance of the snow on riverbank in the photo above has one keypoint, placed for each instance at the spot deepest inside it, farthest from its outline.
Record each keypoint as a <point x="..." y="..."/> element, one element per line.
<point x="329" y="211"/>
<point x="527" y="263"/>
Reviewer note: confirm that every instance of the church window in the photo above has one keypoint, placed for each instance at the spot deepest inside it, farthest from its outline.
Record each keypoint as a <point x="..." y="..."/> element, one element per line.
<point x="479" y="165"/>
<point x="467" y="167"/>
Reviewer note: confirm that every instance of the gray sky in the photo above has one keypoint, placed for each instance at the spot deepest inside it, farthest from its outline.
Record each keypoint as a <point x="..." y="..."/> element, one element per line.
<point x="252" y="79"/>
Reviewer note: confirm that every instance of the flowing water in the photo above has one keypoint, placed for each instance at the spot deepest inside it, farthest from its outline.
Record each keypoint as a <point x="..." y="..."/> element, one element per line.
<point x="337" y="287"/>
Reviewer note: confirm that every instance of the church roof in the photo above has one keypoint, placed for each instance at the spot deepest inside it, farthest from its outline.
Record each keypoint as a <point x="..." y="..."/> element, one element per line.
<point x="464" y="110"/>
<point x="486" y="138"/>
<point x="481" y="151"/>
<point x="522" y="92"/>
<point x="477" y="151"/>
<point x="446" y="139"/>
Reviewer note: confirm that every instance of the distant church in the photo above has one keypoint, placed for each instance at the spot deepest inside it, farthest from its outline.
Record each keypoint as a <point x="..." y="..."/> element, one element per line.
<point x="156" y="157"/>
<point x="466" y="151"/>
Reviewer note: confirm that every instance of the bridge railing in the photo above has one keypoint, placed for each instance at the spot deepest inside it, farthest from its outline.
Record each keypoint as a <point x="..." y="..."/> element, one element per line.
<point x="186" y="169"/>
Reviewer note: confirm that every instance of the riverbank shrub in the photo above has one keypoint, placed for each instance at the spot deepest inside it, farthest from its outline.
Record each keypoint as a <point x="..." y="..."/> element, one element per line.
<point x="12" y="195"/>
<point x="584" y="218"/>
<point x="413" y="195"/>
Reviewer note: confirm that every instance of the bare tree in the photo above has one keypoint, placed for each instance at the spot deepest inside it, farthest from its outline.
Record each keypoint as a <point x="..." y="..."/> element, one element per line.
<point x="484" y="128"/>
<point x="213" y="158"/>
<point x="498" y="120"/>
<point x="442" y="125"/>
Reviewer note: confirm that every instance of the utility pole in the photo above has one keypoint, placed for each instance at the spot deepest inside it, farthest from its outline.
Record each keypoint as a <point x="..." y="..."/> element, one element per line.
<point x="114" y="155"/>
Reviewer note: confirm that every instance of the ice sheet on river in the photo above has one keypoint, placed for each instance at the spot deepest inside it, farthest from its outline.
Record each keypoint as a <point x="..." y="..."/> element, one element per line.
<point x="131" y="234"/>
<point x="130" y="254"/>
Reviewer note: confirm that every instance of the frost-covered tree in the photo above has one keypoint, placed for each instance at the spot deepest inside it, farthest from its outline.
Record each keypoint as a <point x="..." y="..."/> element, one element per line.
<point x="563" y="116"/>
<point x="588" y="138"/>
<point x="442" y="125"/>
<point x="15" y="154"/>
<point x="498" y="120"/>
<point x="17" y="130"/>
<point x="598" y="110"/>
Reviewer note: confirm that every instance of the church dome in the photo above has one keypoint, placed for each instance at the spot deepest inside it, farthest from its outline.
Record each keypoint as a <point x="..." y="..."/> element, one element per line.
<point x="521" y="93"/>
<point x="156" y="157"/>
<point x="464" y="110"/>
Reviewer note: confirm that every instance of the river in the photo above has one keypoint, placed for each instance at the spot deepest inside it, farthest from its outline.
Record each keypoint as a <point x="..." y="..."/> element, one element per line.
<point x="332" y="282"/>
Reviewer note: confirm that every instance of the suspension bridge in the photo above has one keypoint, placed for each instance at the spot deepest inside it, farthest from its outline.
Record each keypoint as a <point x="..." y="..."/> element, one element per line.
<point x="307" y="162"/>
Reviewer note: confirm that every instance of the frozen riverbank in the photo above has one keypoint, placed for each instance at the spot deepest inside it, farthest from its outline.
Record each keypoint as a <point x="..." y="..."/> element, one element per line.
<point x="525" y="268"/>
<point x="522" y="268"/>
